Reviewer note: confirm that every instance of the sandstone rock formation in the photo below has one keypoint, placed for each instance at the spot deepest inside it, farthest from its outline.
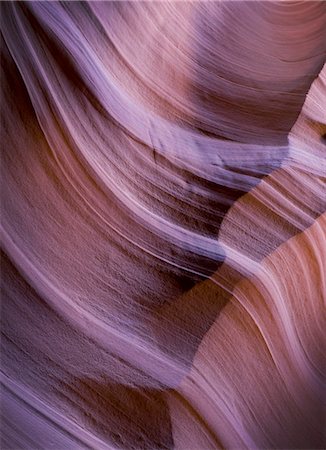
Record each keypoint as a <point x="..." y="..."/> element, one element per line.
<point x="163" y="225"/>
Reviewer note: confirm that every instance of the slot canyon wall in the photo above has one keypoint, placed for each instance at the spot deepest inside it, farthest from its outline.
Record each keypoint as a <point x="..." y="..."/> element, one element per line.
<point x="163" y="225"/>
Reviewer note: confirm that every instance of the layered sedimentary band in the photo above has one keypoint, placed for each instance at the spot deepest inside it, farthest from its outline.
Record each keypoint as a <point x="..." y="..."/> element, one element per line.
<point x="163" y="225"/>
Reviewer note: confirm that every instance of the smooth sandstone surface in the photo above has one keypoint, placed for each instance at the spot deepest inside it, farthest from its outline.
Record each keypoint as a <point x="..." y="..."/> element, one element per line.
<point x="163" y="225"/>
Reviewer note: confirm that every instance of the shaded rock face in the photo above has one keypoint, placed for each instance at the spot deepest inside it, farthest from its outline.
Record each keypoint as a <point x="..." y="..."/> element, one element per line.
<point x="163" y="236"/>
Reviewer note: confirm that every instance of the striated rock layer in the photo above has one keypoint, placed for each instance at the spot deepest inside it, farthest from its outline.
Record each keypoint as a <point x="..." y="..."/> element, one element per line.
<point x="163" y="225"/>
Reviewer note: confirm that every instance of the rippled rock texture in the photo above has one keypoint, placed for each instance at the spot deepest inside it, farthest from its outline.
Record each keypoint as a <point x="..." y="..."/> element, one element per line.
<point x="163" y="226"/>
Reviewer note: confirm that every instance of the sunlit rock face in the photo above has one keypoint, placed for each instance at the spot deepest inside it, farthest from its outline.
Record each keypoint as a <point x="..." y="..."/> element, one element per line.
<point x="163" y="225"/>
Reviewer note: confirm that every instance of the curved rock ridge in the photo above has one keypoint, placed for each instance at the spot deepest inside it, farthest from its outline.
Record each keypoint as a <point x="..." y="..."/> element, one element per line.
<point x="163" y="225"/>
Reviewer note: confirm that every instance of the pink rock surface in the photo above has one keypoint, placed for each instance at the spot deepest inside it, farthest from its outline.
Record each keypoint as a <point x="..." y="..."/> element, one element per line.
<point x="163" y="227"/>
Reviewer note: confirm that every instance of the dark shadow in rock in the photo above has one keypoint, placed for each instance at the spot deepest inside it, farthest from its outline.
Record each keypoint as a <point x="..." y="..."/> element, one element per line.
<point x="131" y="418"/>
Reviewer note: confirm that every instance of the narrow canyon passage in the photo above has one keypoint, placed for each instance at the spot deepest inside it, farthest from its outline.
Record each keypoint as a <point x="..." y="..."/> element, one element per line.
<point x="163" y="225"/>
